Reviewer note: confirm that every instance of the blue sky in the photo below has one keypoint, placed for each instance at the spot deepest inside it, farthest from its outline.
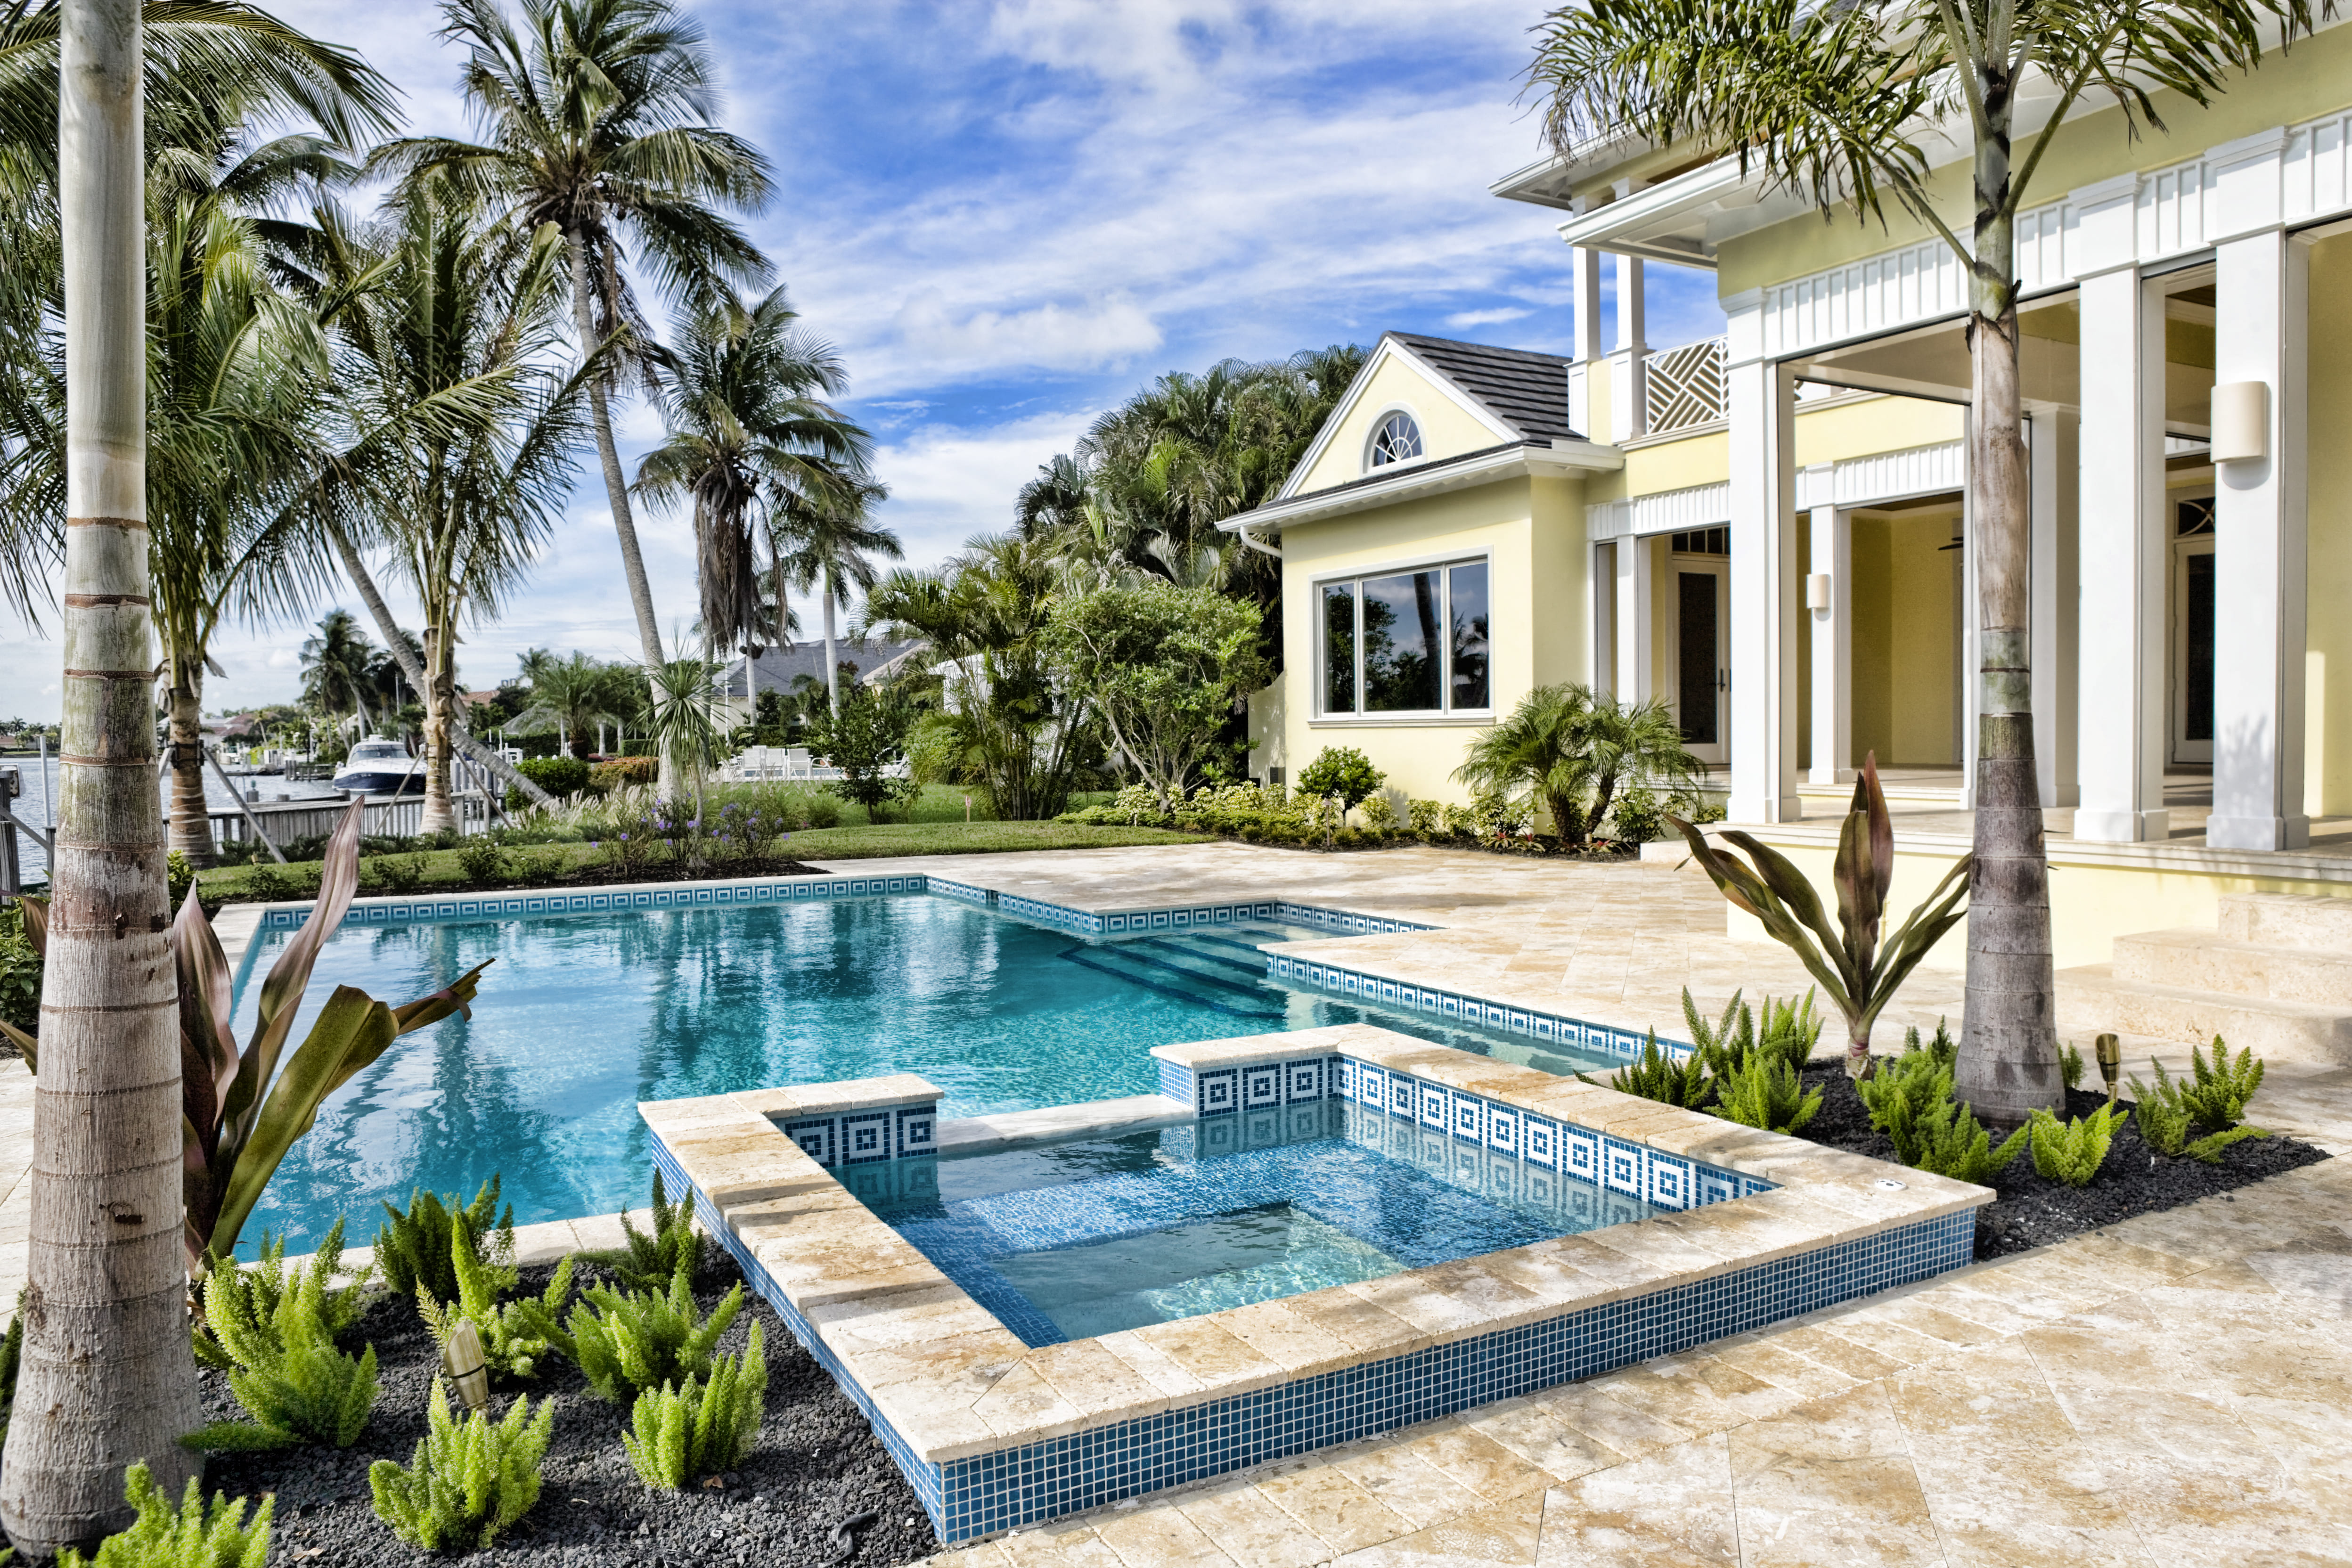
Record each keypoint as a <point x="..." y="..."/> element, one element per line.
<point x="1009" y="214"/>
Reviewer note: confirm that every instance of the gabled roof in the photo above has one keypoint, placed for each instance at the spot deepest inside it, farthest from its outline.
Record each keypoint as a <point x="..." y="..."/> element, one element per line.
<point x="1526" y="390"/>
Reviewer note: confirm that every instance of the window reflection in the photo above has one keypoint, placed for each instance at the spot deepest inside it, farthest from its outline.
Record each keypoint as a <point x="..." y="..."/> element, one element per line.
<point x="1466" y="611"/>
<point x="1340" y="648"/>
<point x="1400" y="643"/>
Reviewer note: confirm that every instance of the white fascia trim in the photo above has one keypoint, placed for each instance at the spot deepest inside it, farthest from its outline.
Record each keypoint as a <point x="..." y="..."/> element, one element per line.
<point x="1561" y="458"/>
<point x="1603" y="227"/>
<point x="1388" y="349"/>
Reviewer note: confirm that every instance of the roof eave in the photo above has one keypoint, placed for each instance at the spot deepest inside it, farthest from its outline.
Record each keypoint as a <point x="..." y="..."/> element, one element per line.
<point x="1563" y="456"/>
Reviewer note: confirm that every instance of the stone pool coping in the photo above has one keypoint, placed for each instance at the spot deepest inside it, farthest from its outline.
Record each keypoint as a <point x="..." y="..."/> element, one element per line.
<point x="950" y="1387"/>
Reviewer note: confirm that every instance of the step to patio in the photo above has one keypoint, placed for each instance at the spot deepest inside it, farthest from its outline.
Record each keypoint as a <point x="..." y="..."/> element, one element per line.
<point x="2093" y="998"/>
<point x="2308" y="920"/>
<point x="2200" y="960"/>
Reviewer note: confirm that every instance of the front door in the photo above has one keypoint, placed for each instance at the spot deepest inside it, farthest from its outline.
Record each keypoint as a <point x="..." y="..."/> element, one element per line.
<point x="1700" y="680"/>
<point x="2192" y="630"/>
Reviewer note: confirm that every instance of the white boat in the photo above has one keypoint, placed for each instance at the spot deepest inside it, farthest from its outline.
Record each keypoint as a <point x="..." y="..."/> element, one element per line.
<point x="381" y="766"/>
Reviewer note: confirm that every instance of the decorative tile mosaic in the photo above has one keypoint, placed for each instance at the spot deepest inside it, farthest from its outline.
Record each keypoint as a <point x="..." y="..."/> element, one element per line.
<point x="683" y="895"/>
<point x="867" y="1136"/>
<point x="1602" y="1038"/>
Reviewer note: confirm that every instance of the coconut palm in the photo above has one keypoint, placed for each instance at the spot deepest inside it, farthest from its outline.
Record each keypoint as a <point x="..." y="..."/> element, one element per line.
<point x="830" y="548"/>
<point x="335" y="665"/>
<point x="1845" y="104"/>
<point x="597" y="115"/>
<point x="456" y="434"/>
<point x="754" y="446"/>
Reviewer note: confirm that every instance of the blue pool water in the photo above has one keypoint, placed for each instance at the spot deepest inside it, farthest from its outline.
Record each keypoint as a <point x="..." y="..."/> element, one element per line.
<point x="1086" y="1237"/>
<point x="582" y="1016"/>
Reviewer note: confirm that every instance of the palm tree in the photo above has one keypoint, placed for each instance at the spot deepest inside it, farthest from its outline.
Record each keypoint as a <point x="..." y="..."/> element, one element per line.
<point x="335" y="665"/>
<point x="598" y="119"/>
<point x="1846" y="103"/>
<point x="458" y="434"/>
<point x="573" y="696"/>
<point x="1575" y="748"/>
<point x="831" y="543"/>
<point x="755" y="447"/>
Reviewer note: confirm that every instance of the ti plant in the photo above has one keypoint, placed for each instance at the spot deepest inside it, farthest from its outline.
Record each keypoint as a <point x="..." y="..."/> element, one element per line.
<point x="189" y="1536"/>
<point x="244" y="1108"/>
<point x="649" y="1262"/>
<point x="1859" y="973"/>
<point x="275" y="1337"/>
<point x="704" y="1429"/>
<point x="2072" y="1151"/>
<point x="1767" y="1092"/>
<point x="411" y="1248"/>
<point x="626" y="1344"/>
<point x="516" y="1335"/>
<point x="1658" y="1074"/>
<point x="465" y="1483"/>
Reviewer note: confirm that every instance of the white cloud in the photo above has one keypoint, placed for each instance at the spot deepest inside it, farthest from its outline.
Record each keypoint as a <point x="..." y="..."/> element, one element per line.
<point x="1486" y="318"/>
<point x="1092" y="335"/>
<point x="947" y="483"/>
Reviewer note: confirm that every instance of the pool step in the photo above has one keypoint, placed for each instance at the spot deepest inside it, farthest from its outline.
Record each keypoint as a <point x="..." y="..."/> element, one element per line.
<point x="1160" y="972"/>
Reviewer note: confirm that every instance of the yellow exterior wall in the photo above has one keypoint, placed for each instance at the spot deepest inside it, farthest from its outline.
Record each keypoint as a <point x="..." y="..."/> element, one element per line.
<point x="2311" y="81"/>
<point x="1904" y="639"/>
<point x="1533" y="532"/>
<point x="1874" y="424"/>
<point x="1447" y="429"/>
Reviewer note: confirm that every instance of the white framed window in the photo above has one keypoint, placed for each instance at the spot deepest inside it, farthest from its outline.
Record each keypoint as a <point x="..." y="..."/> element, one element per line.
<point x="1403" y="642"/>
<point x="1395" y="438"/>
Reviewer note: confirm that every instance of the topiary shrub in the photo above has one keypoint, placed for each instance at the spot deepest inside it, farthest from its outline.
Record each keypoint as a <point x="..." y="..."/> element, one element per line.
<point x="559" y="776"/>
<point x="704" y="1429"/>
<point x="1340" y="770"/>
<point x="464" y="1484"/>
<point x="190" y="1536"/>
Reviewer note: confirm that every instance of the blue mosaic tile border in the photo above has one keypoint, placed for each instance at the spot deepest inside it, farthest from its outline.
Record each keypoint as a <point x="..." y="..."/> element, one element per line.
<point x="1634" y="1170"/>
<point x="990" y="1492"/>
<point x="1345" y="921"/>
<point x="1600" y="1039"/>
<point x="839" y="1139"/>
<point x="685" y="895"/>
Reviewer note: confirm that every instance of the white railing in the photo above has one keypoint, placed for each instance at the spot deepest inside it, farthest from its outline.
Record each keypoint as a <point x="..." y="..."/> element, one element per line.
<point x="1683" y="386"/>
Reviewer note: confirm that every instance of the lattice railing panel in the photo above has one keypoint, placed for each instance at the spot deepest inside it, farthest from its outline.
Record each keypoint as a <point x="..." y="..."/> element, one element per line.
<point x="1683" y="386"/>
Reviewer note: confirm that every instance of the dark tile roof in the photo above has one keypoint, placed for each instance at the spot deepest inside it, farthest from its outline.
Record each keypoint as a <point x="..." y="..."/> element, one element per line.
<point x="1383" y="475"/>
<point x="1525" y="390"/>
<point x="780" y="665"/>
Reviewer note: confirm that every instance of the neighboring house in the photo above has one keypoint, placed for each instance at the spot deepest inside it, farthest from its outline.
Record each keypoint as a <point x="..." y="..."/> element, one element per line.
<point x="779" y="668"/>
<point x="1765" y="530"/>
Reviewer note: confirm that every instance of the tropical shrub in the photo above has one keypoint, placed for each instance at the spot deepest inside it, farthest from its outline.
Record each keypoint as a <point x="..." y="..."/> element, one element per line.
<point x="2069" y="1064"/>
<point x="2072" y="1151"/>
<point x="1379" y="814"/>
<point x="1498" y="814"/>
<point x="400" y="874"/>
<point x="609" y="774"/>
<point x="1658" y="1074"/>
<point x="1909" y="1099"/>
<point x="705" y="1429"/>
<point x="864" y="739"/>
<point x="1572" y="749"/>
<point x="465" y="1483"/>
<point x="190" y="1536"/>
<point x="1791" y="1031"/>
<point x="1859" y="973"/>
<point x="413" y="1247"/>
<point x="1343" y="771"/>
<point x="275" y="1337"/>
<point x="1637" y="817"/>
<point x="1459" y="821"/>
<point x="1766" y="1092"/>
<point x="483" y="862"/>
<point x="559" y="776"/>
<point x="627" y="1343"/>
<point x="24" y="940"/>
<point x="1425" y="818"/>
<point x="2165" y="1113"/>
<point x="648" y="1261"/>
<point x="179" y="877"/>
<point x="516" y="1335"/>
<point x="2217" y="1093"/>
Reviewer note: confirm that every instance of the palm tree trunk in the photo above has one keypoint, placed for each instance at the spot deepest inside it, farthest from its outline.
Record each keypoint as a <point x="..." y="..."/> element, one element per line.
<point x="192" y="823"/>
<point x="831" y="661"/>
<point x="106" y="1378"/>
<point x="387" y="628"/>
<point x="440" y="814"/>
<point x="2008" y="1062"/>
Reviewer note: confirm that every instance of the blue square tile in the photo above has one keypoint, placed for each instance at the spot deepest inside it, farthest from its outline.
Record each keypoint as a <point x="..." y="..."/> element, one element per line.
<point x="1261" y="1086"/>
<point x="1303" y="1080"/>
<point x="1579" y="1153"/>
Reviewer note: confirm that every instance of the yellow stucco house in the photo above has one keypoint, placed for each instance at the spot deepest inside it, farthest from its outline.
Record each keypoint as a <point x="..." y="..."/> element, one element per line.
<point x="1768" y="530"/>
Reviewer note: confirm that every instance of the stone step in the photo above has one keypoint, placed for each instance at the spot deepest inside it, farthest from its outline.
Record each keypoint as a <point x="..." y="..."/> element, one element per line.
<point x="2091" y="998"/>
<point x="2288" y="919"/>
<point x="2199" y="960"/>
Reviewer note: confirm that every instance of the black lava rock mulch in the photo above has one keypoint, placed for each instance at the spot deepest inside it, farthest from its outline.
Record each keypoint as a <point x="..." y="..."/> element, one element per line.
<point x="818" y="1464"/>
<point x="2031" y="1212"/>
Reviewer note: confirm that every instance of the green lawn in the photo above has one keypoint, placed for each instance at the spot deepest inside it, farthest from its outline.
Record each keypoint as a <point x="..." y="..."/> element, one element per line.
<point x="229" y="884"/>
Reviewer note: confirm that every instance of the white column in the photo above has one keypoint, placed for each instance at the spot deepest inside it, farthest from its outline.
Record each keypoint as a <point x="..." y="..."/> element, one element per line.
<point x="2055" y="452"/>
<point x="1832" y="557"/>
<point x="1761" y="402"/>
<point x="1628" y="380"/>
<point x="1633" y="619"/>
<point x="2121" y="519"/>
<point x="1584" y="274"/>
<point x="1601" y="589"/>
<point x="2260" y="335"/>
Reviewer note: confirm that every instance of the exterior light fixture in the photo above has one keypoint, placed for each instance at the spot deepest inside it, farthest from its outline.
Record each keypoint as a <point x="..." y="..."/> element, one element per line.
<point x="1817" y="591"/>
<point x="2241" y="422"/>
<point x="2111" y="1063"/>
<point x="461" y="1358"/>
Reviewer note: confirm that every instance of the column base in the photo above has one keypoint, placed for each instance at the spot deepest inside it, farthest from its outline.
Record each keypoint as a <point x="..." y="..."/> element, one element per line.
<point x="2257" y="832"/>
<point x="1785" y="808"/>
<point x="2122" y="827"/>
<point x="1830" y="775"/>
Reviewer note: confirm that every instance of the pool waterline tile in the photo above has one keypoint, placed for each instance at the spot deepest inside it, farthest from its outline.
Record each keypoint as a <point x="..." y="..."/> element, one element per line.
<point x="1463" y="1334"/>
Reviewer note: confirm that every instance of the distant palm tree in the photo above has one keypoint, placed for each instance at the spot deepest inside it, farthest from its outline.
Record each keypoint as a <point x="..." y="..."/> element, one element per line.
<point x="754" y="446"/>
<point x="573" y="696"/>
<point x="1568" y="746"/>
<point x="335" y="665"/>
<point x="598" y="118"/>
<point x="832" y="544"/>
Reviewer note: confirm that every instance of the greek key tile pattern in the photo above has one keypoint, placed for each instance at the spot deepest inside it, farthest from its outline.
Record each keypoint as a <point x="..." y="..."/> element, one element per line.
<point x="865" y="1137"/>
<point x="1624" y="1044"/>
<point x="523" y="906"/>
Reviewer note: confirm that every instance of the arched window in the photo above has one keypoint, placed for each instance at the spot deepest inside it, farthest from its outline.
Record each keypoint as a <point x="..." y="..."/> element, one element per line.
<point x="1398" y="441"/>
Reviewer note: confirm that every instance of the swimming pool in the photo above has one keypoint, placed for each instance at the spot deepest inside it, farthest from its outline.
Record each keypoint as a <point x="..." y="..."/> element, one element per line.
<point x="1086" y="1236"/>
<point x="584" y="1015"/>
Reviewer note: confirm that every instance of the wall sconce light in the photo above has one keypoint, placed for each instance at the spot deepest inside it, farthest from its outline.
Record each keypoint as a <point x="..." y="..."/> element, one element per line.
<point x="1817" y="591"/>
<point x="2111" y="1063"/>
<point x="461" y="1358"/>
<point x="2241" y="422"/>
